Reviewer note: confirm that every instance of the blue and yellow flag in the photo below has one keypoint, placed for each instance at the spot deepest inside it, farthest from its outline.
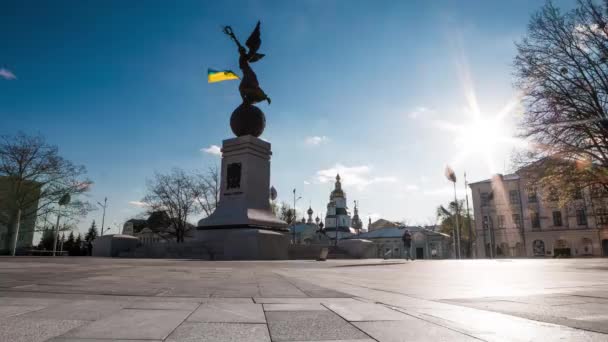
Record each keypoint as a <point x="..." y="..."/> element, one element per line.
<point x="219" y="76"/>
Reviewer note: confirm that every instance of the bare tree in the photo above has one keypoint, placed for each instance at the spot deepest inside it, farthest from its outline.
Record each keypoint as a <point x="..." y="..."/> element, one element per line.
<point x="208" y="184"/>
<point x="562" y="69"/>
<point x="35" y="179"/>
<point x="177" y="195"/>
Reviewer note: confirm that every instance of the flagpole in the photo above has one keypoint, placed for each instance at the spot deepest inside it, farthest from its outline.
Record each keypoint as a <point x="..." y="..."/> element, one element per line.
<point x="466" y="194"/>
<point x="456" y="219"/>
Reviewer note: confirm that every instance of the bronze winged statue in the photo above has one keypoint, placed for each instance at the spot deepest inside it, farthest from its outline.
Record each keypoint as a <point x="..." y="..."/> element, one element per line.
<point x="249" y="88"/>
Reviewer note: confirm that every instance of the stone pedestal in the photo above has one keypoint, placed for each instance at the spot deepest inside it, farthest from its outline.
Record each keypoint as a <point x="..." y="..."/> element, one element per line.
<point x="243" y="225"/>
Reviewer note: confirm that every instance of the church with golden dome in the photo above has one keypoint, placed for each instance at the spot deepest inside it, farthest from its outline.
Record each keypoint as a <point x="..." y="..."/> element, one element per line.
<point x="338" y="221"/>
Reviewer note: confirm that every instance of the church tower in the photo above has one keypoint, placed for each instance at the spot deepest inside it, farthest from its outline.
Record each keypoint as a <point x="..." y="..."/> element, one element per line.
<point x="337" y="217"/>
<point x="309" y="212"/>
<point x="356" y="221"/>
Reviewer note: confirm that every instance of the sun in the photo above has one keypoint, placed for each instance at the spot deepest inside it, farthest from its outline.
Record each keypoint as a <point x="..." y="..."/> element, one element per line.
<point x="482" y="135"/>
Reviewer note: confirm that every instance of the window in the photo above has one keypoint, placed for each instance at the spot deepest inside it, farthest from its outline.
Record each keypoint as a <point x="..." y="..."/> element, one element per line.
<point x="553" y="196"/>
<point x="598" y="191"/>
<point x="500" y="221"/>
<point x="535" y="220"/>
<point x="538" y="247"/>
<point x="602" y="216"/>
<point x="485" y="199"/>
<point x="581" y="217"/>
<point x="514" y="197"/>
<point x="485" y="223"/>
<point x="516" y="220"/>
<point x="532" y="198"/>
<point x="557" y="218"/>
<point x="578" y="193"/>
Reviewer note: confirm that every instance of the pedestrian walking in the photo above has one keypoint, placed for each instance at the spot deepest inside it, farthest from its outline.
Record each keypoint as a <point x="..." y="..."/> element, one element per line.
<point x="407" y="244"/>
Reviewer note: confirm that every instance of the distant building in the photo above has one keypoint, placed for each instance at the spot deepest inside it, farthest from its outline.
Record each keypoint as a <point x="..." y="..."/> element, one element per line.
<point x="427" y="243"/>
<point x="513" y="220"/>
<point x="155" y="229"/>
<point x="337" y="220"/>
<point x="381" y="223"/>
<point x="8" y="216"/>
<point x="308" y="232"/>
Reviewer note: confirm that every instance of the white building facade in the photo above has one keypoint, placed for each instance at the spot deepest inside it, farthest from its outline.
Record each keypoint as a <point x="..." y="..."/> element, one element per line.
<point x="513" y="220"/>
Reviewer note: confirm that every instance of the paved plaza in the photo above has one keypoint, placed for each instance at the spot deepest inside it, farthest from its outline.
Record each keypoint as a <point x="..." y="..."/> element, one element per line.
<point x="70" y="299"/>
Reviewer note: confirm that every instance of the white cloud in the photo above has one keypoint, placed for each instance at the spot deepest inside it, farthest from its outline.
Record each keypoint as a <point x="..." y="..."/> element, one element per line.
<point x="139" y="204"/>
<point x="411" y="187"/>
<point x="356" y="176"/>
<point x="7" y="74"/>
<point x="419" y="111"/>
<point x="213" y="149"/>
<point x="316" y="140"/>
<point x="445" y="191"/>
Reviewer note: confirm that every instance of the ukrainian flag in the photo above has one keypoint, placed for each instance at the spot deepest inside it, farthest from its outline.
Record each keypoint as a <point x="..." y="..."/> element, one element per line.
<point x="219" y="76"/>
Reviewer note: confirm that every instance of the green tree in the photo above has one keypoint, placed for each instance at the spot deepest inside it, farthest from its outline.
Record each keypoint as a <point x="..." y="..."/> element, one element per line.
<point x="46" y="241"/>
<point x="91" y="233"/>
<point x="447" y="217"/>
<point x="69" y="243"/>
<point x="77" y="247"/>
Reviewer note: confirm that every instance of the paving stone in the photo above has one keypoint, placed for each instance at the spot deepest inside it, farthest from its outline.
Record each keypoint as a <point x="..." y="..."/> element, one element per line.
<point x="14" y="310"/>
<point x="133" y="324"/>
<point x="365" y="312"/>
<point x="307" y="300"/>
<point x="310" y="325"/>
<point x="357" y="340"/>
<point x="247" y="300"/>
<point x="13" y="329"/>
<point x="164" y="305"/>
<point x="222" y="312"/>
<point x="85" y="310"/>
<point x="219" y="332"/>
<point x="411" y="330"/>
<point x="294" y="307"/>
<point x="63" y="339"/>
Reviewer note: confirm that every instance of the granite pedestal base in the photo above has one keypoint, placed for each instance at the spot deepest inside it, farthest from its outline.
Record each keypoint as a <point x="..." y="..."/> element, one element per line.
<point x="243" y="227"/>
<point x="244" y="243"/>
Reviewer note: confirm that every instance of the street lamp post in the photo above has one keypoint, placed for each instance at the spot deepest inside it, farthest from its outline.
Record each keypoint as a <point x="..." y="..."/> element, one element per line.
<point x="103" y="217"/>
<point x="293" y="220"/>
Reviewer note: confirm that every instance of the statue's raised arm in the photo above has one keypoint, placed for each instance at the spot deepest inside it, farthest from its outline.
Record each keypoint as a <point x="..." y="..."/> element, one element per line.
<point x="249" y="88"/>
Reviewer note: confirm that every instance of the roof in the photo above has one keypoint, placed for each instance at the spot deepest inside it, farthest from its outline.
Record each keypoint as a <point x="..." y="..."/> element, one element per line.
<point x="509" y="177"/>
<point x="396" y="232"/>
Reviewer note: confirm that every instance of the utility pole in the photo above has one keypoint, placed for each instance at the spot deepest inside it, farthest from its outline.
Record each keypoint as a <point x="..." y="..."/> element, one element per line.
<point x="103" y="217"/>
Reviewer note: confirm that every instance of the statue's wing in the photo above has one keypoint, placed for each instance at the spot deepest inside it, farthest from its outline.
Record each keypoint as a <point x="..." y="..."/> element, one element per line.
<point x="256" y="57"/>
<point x="254" y="41"/>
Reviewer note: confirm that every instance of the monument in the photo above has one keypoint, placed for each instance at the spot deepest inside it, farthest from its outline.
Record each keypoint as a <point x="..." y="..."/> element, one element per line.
<point x="243" y="225"/>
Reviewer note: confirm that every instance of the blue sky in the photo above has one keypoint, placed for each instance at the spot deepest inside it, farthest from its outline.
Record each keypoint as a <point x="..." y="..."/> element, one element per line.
<point x="380" y="90"/>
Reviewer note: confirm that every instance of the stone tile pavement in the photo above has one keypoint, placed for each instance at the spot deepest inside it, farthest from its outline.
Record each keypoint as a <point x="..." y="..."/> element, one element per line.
<point x="96" y="299"/>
